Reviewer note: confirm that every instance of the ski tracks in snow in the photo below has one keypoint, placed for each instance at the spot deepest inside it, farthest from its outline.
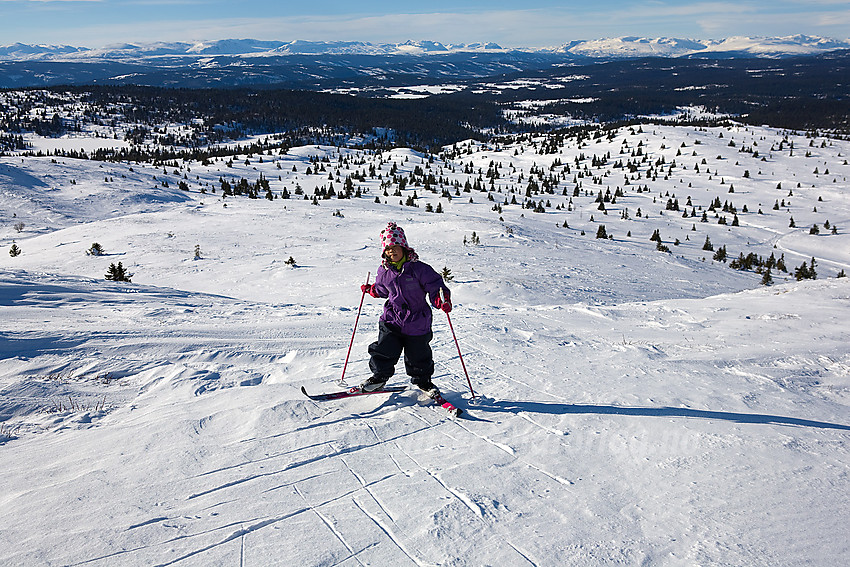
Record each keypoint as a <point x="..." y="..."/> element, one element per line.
<point x="366" y="516"/>
<point x="478" y="510"/>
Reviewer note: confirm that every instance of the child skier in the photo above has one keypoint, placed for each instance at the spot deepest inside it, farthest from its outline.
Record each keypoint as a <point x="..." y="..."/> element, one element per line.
<point x="405" y="324"/>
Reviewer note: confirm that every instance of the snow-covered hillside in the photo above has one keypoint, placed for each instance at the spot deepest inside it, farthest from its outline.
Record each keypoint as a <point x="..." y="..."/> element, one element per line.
<point x="635" y="405"/>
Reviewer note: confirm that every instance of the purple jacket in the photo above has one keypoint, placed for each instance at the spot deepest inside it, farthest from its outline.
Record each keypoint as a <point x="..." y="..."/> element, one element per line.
<point x="405" y="291"/>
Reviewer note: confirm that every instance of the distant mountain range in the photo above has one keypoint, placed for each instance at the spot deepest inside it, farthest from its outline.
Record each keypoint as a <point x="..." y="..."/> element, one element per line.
<point x="599" y="48"/>
<point x="355" y="64"/>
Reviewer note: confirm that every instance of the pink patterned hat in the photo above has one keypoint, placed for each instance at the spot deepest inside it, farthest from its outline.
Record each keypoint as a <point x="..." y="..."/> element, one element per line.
<point x="393" y="235"/>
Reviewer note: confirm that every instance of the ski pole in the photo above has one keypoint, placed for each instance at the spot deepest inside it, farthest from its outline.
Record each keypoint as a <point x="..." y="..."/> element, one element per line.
<point x="362" y="296"/>
<point x="468" y="381"/>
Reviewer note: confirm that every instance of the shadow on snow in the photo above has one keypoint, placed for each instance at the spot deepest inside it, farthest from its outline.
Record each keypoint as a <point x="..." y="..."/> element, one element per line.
<point x="578" y="409"/>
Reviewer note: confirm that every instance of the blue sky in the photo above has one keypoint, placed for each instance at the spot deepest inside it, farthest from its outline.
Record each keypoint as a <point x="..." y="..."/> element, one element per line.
<point x="511" y="23"/>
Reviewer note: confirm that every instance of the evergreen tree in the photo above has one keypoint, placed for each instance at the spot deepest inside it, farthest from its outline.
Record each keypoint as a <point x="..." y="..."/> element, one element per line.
<point x="14" y="250"/>
<point x="806" y="272"/>
<point x="118" y="273"/>
<point x="708" y="245"/>
<point x="601" y="232"/>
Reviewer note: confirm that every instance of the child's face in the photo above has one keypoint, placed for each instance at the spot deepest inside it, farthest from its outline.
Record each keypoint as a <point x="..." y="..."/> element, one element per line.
<point x="394" y="253"/>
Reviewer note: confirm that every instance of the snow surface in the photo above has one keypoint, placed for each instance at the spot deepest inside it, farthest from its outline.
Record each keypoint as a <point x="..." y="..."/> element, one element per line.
<point x="634" y="406"/>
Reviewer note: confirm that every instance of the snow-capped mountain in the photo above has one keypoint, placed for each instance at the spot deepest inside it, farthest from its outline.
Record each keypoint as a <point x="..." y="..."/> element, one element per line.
<point x="676" y="47"/>
<point x="635" y="47"/>
<point x="18" y="51"/>
<point x="234" y="47"/>
<point x="774" y="46"/>
<point x="597" y="48"/>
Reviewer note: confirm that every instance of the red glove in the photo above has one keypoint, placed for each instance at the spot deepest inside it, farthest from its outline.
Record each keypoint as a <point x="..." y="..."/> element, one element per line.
<point x="444" y="304"/>
<point x="370" y="289"/>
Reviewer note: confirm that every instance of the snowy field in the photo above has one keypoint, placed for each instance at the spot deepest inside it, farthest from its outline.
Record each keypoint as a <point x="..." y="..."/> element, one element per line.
<point x="634" y="406"/>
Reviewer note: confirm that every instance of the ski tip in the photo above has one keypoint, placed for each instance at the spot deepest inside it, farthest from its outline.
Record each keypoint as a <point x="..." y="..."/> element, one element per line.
<point x="452" y="410"/>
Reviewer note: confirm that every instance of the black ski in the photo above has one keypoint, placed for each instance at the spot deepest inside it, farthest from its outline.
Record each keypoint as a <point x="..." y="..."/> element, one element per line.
<point x="350" y="393"/>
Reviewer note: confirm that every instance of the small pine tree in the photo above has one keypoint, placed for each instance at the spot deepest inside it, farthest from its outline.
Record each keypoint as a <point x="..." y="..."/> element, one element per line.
<point x="197" y="251"/>
<point x="14" y="250"/>
<point x="766" y="278"/>
<point x="95" y="250"/>
<point x="708" y="245"/>
<point x="447" y="274"/>
<point x="290" y="261"/>
<point x="806" y="272"/>
<point x="118" y="273"/>
<point x="601" y="232"/>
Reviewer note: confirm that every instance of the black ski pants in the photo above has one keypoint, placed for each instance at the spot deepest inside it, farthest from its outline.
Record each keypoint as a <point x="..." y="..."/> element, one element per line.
<point x="385" y="352"/>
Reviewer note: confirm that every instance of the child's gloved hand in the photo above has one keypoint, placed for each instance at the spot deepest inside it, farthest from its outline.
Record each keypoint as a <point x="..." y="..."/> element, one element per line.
<point x="368" y="288"/>
<point x="444" y="304"/>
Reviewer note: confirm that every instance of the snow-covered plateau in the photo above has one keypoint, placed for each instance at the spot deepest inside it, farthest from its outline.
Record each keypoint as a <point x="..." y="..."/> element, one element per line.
<point x="637" y="402"/>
